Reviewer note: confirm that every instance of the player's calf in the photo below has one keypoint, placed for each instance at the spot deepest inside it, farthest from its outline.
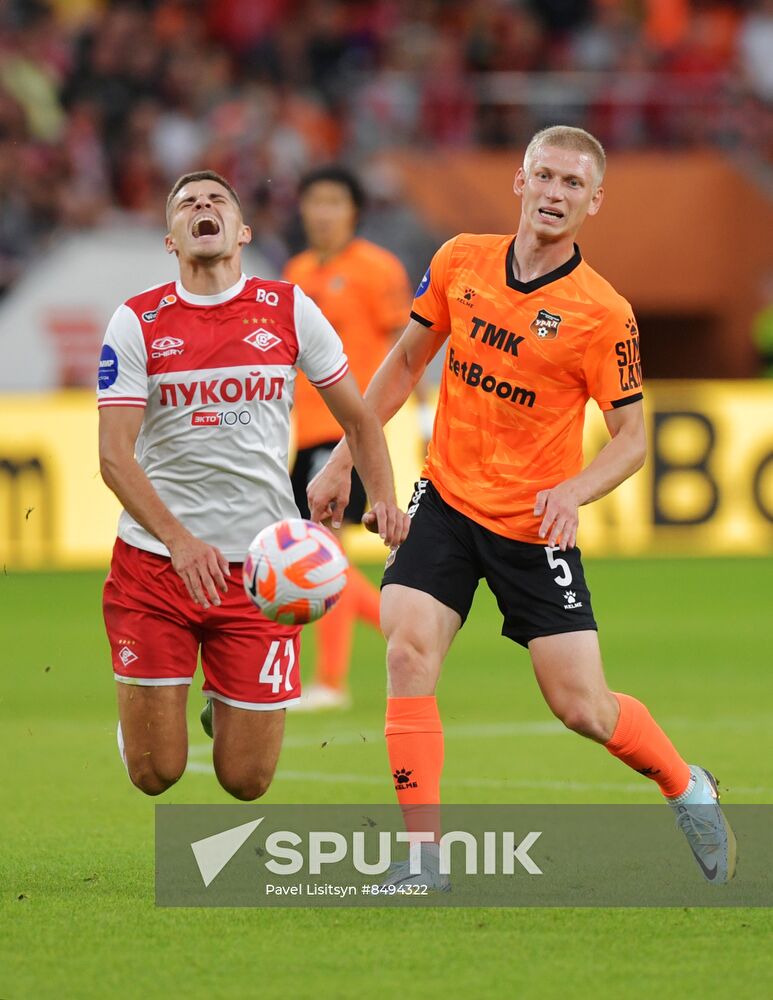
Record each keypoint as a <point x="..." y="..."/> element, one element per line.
<point x="570" y="674"/>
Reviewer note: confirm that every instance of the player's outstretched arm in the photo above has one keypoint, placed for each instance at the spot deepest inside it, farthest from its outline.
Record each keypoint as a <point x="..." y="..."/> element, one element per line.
<point x="201" y="567"/>
<point x="425" y="409"/>
<point x="620" y="458"/>
<point x="400" y="372"/>
<point x="389" y="388"/>
<point x="366" y="441"/>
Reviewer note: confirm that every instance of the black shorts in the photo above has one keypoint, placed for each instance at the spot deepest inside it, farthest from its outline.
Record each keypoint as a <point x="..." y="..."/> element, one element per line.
<point x="310" y="461"/>
<point x="539" y="589"/>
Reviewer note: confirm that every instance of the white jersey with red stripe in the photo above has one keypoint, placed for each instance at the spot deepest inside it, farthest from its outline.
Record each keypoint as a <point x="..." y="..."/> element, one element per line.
<point x="215" y="375"/>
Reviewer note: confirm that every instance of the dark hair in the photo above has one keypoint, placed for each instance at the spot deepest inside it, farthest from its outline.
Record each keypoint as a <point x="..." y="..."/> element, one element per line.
<point x="335" y="175"/>
<point x="200" y="175"/>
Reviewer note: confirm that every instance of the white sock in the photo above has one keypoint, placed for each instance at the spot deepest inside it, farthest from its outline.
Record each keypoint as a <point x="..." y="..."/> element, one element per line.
<point x="679" y="800"/>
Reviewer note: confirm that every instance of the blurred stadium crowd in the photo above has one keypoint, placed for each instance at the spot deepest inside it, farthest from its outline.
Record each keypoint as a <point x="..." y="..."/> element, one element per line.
<point x="103" y="104"/>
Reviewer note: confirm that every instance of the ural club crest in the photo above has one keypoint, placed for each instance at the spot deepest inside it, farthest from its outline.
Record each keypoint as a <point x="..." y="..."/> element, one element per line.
<point x="545" y="325"/>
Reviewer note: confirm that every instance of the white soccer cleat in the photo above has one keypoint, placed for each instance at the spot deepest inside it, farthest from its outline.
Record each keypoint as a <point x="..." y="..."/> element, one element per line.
<point x="701" y="820"/>
<point x="320" y="698"/>
<point x="121" y="746"/>
<point x="206" y="718"/>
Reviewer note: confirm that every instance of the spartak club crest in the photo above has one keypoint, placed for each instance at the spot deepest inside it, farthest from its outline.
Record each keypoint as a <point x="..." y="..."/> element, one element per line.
<point x="545" y="325"/>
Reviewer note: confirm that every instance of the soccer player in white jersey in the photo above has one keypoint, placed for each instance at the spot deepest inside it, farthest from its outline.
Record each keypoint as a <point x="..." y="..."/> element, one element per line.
<point x="195" y="390"/>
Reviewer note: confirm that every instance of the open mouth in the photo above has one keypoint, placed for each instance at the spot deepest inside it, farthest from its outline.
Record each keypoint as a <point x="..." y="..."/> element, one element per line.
<point x="205" y="225"/>
<point x="551" y="213"/>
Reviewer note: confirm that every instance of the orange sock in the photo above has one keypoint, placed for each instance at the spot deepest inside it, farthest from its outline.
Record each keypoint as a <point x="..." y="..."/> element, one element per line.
<point x="335" y="631"/>
<point x="368" y="597"/>
<point x="639" y="742"/>
<point x="414" y="738"/>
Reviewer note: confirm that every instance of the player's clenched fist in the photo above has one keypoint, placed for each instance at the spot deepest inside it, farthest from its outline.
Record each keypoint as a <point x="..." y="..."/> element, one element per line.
<point x="389" y="521"/>
<point x="202" y="568"/>
<point x="558" y="508"/>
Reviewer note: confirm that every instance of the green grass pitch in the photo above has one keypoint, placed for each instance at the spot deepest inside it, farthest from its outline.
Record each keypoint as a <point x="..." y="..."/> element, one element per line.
<point x="77" y="920"/>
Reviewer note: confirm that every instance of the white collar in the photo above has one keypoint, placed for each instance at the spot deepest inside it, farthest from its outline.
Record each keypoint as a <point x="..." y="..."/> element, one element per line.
<point x="210" y="300"/>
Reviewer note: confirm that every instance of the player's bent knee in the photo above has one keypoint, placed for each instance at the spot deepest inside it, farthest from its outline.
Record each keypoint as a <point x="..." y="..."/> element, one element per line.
<point x="406" y="659"/>
<point x="245" y="787"/>
<point x="583" y="719"/>
<point x="247" y="790"/>
<point x="150" y="784"/>
<point x="153" y="781"/>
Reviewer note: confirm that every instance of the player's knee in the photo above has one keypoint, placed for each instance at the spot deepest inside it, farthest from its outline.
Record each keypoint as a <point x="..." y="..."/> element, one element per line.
<point x="155" y="778"/>
<point x="407" y="663"/>
<point x="245" y="787"/>
<point x="583" y="718"/>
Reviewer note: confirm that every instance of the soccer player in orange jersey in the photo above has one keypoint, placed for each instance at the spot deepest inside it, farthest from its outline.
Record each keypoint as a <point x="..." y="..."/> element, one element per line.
<point x="363" y="291"/>
<point x="533" y="332"/>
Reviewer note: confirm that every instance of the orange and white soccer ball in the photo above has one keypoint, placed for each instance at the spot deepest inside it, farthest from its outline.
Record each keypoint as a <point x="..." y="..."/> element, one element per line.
<point x="295" y="571"/>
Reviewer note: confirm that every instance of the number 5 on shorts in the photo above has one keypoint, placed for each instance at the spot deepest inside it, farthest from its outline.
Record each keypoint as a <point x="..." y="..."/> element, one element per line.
<point x="273" y="671"/>
<point x="555" y="563"/>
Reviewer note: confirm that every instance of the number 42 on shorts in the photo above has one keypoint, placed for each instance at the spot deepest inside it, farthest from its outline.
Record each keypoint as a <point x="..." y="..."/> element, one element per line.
<point x="277" y="668"/>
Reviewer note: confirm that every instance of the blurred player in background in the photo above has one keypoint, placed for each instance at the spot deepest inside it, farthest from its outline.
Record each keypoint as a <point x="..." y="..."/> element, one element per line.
<point x="534" y="332"/>
<point x="195" y="390"/>
<point x="364" y="292"/>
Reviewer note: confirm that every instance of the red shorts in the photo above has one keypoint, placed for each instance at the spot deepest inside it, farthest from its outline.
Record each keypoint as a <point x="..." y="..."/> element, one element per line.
<point x="155" y="631"/>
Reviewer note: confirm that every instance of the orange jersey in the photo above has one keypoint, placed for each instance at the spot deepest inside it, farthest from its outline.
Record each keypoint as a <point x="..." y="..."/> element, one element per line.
<point x="522" y="360"/>
<point x="364" y="292"/>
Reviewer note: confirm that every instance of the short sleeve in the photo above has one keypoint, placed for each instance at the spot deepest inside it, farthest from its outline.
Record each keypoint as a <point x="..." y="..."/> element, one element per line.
<point x="612" y="363"/>
<point x="430" y="302"/>
<point x="123" y="363"/>
<point x="321" y="355"/>
<point x="391" y="296"/>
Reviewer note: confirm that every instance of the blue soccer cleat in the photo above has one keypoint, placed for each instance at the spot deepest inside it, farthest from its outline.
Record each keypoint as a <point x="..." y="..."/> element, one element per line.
<point x="399" y="873"/>
<point x="701" y="820"/>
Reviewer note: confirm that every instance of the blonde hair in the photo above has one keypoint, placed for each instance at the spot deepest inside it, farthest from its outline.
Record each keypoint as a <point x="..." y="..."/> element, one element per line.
<point x="568" y="137"/>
